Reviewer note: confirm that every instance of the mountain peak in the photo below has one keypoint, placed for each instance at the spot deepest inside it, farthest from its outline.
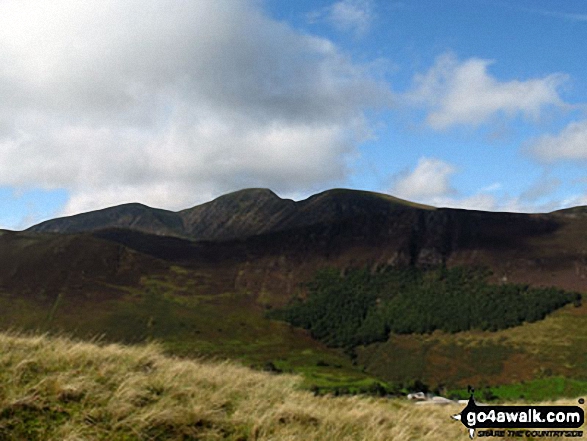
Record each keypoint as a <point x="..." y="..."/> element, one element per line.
<point x="239" y="214"/>
<point x="130" y="215"/>
<point x="249" y="194"/>
<point x="348" y="195"/>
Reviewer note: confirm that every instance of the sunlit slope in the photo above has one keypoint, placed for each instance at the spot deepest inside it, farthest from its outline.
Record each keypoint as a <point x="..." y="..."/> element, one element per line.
<point x="57" y="389"/>
<point x="551" y="348"/>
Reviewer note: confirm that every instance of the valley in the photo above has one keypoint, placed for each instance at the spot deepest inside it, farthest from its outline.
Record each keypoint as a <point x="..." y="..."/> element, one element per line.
<point x="130" y="280"/>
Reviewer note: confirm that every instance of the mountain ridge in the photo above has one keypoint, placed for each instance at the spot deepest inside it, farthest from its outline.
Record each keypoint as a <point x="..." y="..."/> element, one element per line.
<point x="260" y="251"/>
<point x="241" y="213"/>
<point x="342" y="228"/>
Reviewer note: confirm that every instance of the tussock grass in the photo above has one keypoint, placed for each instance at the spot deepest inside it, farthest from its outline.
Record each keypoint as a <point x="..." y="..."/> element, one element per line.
<point x="54" y="388"/>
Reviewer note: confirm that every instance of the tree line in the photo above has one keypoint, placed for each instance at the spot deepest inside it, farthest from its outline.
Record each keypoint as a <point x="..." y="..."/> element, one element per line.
<point x="361" y="307"/>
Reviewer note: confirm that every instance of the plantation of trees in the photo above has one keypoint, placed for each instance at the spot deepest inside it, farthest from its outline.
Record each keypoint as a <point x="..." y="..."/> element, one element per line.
<point x="359" y="307"/>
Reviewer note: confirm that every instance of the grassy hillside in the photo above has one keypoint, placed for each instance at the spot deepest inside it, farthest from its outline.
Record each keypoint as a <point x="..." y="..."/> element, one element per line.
<point x="533" y="354"/>
<point x="58" y="389"/>
<point x="209" y="298"/>
<point x="194" y="312"/>
<point x="178" y="309"/>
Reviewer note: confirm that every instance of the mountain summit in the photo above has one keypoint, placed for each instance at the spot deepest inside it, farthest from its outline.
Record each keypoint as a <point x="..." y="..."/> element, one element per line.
<point x="239" y="214"/>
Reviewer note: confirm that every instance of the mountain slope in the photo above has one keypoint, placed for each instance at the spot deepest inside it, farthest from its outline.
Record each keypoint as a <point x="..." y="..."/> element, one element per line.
<point x="235" y="215"/>
<point x="239" y="214"/>
<point x="42" y="267"/>
<point x="209" y="296"/>
<point x="132" y="216"/>
<point x="54" y="388"/>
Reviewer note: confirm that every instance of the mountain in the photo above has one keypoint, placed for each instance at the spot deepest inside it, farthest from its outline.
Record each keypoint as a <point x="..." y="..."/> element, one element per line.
<point x="235" y="215"/>
<point x="202" y="279"/>
<point x="287" y="241"/>
<point x="239" y="214"/>
<point x="132" y="216"/>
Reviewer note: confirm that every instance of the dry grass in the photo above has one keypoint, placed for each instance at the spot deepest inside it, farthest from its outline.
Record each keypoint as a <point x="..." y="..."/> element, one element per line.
<point x="59" y="389"/>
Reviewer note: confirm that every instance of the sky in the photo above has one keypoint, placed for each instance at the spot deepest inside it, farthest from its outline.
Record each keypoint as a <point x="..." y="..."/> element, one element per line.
<point x="476" y="104"/>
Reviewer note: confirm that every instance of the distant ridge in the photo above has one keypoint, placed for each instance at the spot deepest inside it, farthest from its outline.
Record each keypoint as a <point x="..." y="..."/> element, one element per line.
<point x="239" y="214"/>
<point x="133" y="216"/>
<point x="573" y="211"/>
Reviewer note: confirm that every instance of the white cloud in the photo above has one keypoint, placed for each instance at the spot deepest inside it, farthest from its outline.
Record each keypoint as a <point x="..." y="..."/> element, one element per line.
<point x="492" y="188"/>
<point x="489" y="202"/>
<point x="576" y="200"/>
<point x="430" y="183"/>
<point x="457" y="93"/>
<point x="484" y="201"/>
<point x="353" y="16"/>
<point x="569" y="144"/>
<point x="577" y="17"/>
<point x="478" y="201"/>
<point x="170" y="104"/>
<point x="430" y="179"/>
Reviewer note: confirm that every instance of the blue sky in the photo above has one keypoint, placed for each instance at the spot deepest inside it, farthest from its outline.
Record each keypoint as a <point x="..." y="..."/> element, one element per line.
<point x="478" y="104"/>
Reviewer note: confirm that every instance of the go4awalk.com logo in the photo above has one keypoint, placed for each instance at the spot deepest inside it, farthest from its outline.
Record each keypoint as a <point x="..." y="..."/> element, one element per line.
<point x="507" y="418"/>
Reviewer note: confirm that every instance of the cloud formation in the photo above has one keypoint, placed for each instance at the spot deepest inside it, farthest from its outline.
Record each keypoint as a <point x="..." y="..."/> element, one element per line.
<point x="430" y="183"/>
<point x="569" y="144"/>
<point x="353" y="16"/>
<point x="571" y="16"/>
<point x="172" y="103"/>
<point x="430" y="179"/>
<point x="464" y="93"/>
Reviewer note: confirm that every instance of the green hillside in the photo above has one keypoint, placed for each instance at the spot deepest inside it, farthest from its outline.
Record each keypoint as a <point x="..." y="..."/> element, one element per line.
<point x="397" y="324"/>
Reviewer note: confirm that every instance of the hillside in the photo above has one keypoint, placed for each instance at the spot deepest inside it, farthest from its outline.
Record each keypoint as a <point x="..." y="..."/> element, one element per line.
<point x="88" y="286"/>
<point x="132" y="216"/>
<point x="211" y="297"/>
<point x="58" y="389"/>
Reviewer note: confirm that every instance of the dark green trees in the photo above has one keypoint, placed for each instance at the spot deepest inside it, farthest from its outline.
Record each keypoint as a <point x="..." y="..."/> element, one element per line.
<point x="361" y="308"/>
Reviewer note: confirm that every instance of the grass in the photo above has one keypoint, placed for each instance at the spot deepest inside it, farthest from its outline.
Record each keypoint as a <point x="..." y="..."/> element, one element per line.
<point x="54" y="388"/>
<point x="553" y="347"/>
<point x="543" y="388"/>
<point x="189" y="322"/>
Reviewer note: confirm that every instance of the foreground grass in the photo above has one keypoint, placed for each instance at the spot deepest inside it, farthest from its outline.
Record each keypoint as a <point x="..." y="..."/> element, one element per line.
<point x="189" y="322"/>
<point x="58" y="389"/>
